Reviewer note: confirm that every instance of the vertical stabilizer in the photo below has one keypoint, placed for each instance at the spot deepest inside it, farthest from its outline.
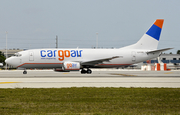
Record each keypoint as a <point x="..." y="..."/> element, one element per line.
<point x="151" y="38"/>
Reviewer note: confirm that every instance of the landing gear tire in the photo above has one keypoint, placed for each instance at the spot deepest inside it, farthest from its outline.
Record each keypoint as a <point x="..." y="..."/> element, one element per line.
<point x="83" y="71"/>
<point x="89" y="71"/>
<point x="24" y="72"/>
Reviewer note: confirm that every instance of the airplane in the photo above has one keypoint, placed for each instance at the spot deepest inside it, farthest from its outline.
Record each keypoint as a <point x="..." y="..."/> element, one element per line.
<point x="66" y="60"/>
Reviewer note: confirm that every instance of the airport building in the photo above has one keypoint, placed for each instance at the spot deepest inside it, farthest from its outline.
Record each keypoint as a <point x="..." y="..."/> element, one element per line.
<point x="10" y="52"/>
<point x="167" y="58"/>
<point x="172" y="61"/>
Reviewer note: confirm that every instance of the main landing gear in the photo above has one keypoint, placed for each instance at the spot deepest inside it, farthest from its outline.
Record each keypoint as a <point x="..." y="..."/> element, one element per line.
<point x="88" y="71"/>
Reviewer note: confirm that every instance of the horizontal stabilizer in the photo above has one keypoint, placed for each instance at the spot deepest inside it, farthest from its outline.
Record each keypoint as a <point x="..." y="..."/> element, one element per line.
<point x="160" y="50"/>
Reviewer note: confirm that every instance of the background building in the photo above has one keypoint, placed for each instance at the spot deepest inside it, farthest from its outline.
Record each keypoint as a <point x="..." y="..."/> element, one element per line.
<point x="10" y="52"/>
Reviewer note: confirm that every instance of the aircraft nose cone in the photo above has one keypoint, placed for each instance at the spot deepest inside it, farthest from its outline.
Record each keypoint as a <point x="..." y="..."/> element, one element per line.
<point x="12" y="61"/>
<point x="7" y="61"/>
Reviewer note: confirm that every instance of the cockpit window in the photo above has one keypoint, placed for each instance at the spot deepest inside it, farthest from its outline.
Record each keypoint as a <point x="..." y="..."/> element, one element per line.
<point x="17" y="54"/>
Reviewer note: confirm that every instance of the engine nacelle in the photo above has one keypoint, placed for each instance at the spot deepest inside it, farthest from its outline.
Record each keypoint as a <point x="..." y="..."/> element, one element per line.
<point x="71" y="66"/>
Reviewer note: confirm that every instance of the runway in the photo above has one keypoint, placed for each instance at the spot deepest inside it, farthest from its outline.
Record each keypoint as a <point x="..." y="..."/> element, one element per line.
<point x="99" y="78"/>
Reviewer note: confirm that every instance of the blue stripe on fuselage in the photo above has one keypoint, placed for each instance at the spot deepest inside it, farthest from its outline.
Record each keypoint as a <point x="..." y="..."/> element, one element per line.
<point x="154" y="32"/>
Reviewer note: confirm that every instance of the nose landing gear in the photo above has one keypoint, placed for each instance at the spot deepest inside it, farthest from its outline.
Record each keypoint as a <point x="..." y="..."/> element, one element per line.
<point x="24" y="72"/>
<point x="88" y="71"/>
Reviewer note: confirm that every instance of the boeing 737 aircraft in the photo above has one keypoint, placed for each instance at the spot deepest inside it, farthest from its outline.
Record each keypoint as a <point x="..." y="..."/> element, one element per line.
<point x="84" y="59"/>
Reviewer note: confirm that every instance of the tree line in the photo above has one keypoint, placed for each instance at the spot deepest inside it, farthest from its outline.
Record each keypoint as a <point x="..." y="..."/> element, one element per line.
<point x="2" y="58"/>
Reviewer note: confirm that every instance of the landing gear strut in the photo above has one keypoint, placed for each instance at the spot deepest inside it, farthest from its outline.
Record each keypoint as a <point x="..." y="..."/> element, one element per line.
<point x="88" y="71"/>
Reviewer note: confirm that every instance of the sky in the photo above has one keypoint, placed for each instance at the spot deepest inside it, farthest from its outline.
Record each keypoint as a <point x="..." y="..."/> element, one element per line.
<point x="34" y="24"/>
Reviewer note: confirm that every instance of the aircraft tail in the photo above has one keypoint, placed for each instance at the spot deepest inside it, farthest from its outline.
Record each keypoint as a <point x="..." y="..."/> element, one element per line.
<point x="151" y="38"/>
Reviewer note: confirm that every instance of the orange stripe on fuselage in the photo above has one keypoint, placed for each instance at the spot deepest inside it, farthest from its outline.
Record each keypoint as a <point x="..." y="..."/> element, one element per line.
<point x="37" y="63"/>
<point x="114" y="64"/>
<point x="159" y="23"/>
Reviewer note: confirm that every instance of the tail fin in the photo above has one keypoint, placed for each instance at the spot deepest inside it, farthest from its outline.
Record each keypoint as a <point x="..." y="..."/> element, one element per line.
<point x="150" y="39"/>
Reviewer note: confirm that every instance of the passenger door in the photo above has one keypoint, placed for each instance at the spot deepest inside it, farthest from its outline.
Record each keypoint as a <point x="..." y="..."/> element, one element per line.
<point x="133" y="53"/>
<point x="31" y="56"/>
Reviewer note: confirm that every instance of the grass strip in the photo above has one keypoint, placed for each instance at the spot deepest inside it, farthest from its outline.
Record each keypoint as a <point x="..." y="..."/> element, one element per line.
<point x="90" y="101"/>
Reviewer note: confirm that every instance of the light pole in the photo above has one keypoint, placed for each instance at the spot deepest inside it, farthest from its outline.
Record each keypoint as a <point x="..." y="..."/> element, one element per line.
<point x="56" y="41"/>
<point x="6" y="48"/>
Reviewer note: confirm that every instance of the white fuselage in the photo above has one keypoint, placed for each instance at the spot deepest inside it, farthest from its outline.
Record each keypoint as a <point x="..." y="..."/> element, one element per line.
<point x="54" y="58"/>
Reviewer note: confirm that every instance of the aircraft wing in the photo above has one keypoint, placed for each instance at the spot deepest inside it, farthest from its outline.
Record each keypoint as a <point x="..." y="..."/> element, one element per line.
<point x="160" y="50"/>
<point x="94" y="62"/>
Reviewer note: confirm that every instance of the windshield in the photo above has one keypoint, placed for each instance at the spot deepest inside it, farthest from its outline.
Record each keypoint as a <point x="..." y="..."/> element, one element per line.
<point x="17" y="54"/>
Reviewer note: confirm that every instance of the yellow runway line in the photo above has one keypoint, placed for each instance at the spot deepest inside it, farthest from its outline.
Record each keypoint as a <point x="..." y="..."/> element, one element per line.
<point x="124" y="74"/>
<point x="8" y="82"/>
<point x="168" y="73"/>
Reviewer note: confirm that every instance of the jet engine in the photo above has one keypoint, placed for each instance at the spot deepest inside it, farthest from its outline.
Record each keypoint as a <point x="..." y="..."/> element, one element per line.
<point x="71" y="66"/>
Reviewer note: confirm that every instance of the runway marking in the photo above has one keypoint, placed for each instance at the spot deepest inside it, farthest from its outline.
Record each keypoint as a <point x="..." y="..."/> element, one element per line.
<point x="8" y="82"/>
<point x="123" y="74"/>
<point x="88" y="82"/>
<point x="168" y="73"/>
